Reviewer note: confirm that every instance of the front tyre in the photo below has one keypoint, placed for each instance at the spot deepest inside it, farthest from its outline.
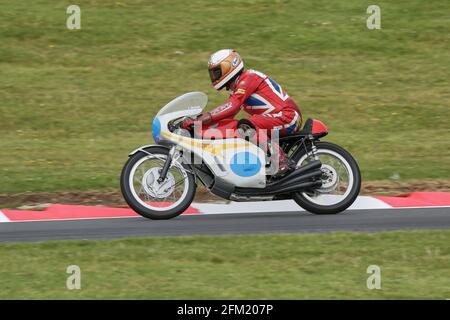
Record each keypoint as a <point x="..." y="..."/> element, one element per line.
<point x="150" y="198"/>
<point x="341" y="180"/>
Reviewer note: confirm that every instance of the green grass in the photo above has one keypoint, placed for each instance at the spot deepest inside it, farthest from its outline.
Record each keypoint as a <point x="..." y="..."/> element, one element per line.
<point x="74" y="103"/>
<point x="414" y="265"/>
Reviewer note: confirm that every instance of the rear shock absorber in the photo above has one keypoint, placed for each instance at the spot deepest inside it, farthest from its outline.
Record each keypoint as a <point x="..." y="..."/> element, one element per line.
<point x="313" y="148"/>
<point x="314" y="151"/>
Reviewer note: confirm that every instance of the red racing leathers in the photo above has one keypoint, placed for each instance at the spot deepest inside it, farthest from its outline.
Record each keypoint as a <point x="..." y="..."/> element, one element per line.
<point x="268" y="104"/>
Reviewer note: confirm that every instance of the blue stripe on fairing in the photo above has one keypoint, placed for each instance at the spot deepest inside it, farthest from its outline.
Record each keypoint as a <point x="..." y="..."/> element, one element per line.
<point x="156" y="129"/>
<point x="252" y="101"/>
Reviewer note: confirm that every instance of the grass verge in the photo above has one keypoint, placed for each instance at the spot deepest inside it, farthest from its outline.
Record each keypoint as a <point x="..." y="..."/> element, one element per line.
<point x="413" y="264"/>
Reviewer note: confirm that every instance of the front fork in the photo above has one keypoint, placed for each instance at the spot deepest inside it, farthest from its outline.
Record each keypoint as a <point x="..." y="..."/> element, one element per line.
<point x="167" y="164"/>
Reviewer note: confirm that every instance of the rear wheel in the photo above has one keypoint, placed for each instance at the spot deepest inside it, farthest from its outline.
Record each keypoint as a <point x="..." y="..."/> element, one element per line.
<point x="149" y="197"/>
<point x="341" y="180"/>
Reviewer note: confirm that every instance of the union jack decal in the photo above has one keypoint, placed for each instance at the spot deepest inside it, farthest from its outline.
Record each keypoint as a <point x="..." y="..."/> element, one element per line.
<point x="276" y="88"/>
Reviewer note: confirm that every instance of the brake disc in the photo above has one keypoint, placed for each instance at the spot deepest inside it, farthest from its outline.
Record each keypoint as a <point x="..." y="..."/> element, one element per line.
<point x="156" y="189"/>
<point x="330" y="179"/>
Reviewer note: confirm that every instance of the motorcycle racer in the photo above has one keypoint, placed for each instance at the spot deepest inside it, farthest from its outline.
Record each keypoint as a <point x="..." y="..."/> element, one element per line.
<point x="268" y="105"/>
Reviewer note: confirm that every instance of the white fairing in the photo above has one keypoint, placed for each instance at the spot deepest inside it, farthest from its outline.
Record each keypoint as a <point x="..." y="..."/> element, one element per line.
<point x="235" y="160"/>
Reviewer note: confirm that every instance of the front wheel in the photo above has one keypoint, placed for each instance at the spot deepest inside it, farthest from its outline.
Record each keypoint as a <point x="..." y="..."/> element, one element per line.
<point x="149" y="197"/>
<point x="341" y="180"/>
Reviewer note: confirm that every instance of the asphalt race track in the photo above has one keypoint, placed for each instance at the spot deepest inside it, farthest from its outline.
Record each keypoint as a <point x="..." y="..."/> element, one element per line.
<point x="218" y="224"/>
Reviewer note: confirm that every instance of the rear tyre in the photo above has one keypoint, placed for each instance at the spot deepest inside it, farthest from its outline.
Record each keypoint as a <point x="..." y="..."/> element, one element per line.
<point x="149" y="198"/>
<point x="341" y="181"/>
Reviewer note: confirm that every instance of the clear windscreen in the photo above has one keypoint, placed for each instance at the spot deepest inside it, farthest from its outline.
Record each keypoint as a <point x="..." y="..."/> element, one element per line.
<point x="188" y="101"/>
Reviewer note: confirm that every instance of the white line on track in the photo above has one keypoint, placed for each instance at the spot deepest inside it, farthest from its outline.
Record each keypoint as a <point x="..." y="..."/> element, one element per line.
<point x="269" y="207"/>
<point x="3" y="218"/>
<point x="76" y="219"/>
<point x="361" y="203"/>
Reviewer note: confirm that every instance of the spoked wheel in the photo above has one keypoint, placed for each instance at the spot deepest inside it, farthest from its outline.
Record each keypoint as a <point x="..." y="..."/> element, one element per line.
<point x="341" y="180"/>
<point x="151" y="198"/>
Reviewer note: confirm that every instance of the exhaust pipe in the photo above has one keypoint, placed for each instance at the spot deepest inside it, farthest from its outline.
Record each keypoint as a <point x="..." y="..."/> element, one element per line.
<point x="295" y="181"/>
<point x="316" y="174"/>
<point x="316" y="164"/>
<point x="300" y="187"/>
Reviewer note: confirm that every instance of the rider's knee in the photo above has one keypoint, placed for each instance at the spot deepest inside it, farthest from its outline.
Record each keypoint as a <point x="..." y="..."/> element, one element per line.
<point x="246" y="129"/>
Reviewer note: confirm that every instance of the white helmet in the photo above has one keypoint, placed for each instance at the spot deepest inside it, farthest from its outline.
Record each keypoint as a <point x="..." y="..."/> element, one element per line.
<point x="223" y="66"/>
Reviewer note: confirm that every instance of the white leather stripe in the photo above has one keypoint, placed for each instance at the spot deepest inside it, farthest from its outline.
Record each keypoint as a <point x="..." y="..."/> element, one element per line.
<point x="280" y="95"/>
<point x="268" y="105"/>
<point x="293" y="121"/>
<point x="258" y="107"/>
<point x="262" y="75"/>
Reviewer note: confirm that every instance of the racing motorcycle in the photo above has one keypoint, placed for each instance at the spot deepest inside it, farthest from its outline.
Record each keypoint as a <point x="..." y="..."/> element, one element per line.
<point x="159" y="181"/>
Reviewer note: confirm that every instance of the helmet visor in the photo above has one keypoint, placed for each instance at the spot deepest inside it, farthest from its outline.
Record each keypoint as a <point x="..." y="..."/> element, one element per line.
<point x="215" y="73"/>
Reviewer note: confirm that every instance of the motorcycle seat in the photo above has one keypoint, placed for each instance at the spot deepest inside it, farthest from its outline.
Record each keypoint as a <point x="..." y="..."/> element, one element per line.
<point x="307" y="128"/>
<point x="305" y="131"/>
